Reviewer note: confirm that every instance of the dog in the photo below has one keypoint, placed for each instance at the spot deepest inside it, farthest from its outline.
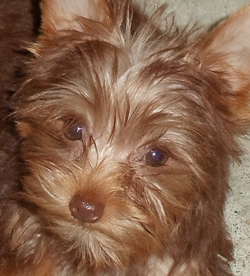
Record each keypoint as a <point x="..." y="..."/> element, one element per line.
<point x="125" y="131"/>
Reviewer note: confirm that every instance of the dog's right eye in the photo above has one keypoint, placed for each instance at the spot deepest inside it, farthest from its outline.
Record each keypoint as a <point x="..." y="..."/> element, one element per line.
<point x="156" y="157"/>
<point x="74" y="132"/>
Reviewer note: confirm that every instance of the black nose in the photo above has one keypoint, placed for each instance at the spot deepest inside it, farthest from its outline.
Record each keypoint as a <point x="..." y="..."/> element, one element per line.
<point x="85" y="210"/>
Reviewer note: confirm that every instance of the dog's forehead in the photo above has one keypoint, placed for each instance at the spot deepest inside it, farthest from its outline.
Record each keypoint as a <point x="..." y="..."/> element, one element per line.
<point x="115" y="75"/>
<point x="113" y="88"/>
<point x="117" y="90"/>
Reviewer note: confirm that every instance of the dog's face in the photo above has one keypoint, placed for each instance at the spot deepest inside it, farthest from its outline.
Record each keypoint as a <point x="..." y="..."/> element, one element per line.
<point x="127" y="135"/>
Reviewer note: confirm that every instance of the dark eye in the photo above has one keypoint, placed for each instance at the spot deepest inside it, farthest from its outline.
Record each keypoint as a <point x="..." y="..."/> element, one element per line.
<point x="156" y="157"/>
<point x="74" y="131"/>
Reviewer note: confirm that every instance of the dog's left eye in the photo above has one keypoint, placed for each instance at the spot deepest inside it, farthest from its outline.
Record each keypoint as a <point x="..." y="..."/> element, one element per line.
<point x="156" y="157"/>
<point x="74" y="132"/>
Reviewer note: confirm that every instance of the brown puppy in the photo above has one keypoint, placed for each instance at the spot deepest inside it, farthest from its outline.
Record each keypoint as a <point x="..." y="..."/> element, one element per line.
<point x="127" y="133"/>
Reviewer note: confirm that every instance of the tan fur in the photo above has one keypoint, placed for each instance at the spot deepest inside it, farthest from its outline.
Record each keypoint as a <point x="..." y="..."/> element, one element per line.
<point x="130" y="87"/>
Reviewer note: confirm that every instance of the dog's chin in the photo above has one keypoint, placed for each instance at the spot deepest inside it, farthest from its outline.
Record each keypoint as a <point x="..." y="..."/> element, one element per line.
<point x="105" y="245"/>
<point x="111" y="242"/>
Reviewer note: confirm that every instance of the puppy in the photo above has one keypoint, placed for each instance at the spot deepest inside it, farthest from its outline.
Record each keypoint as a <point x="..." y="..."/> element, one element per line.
<point x="126" y="132"/>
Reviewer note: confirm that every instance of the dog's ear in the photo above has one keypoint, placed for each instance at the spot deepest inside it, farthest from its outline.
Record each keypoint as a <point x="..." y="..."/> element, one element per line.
<point x="62" y="14"/>
<point x="226" y="51"/>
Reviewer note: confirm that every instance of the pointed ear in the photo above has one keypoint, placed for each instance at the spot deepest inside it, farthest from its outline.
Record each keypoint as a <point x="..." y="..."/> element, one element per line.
<point x="227" y="50"/>
<point x="63" y="14"/>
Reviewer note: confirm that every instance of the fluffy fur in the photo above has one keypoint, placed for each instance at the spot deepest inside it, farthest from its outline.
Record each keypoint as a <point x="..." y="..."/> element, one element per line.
<point x="137" y="123"/>
<point x="18" y="25"/>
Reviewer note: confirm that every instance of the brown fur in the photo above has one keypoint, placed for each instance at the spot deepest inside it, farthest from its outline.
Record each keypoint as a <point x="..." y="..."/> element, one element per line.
<point x="131" y="88"/>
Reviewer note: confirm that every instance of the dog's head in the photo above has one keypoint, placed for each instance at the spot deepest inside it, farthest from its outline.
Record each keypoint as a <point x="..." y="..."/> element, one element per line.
<point x="127" y="131"/>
